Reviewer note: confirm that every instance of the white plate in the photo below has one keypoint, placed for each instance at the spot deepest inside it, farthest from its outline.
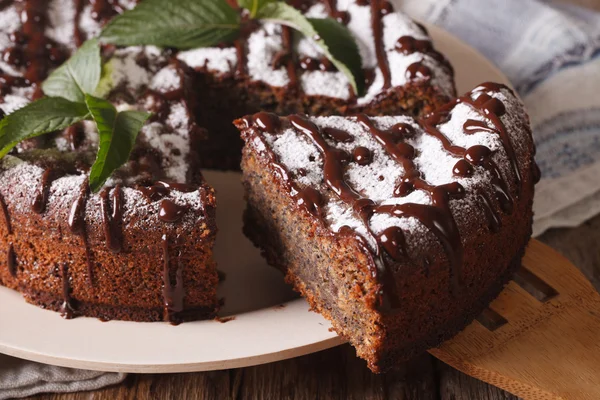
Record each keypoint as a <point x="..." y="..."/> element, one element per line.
<point x="261" y="332"/>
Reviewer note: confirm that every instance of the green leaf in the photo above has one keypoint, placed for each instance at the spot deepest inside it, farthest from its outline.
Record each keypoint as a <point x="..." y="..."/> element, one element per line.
<point x="78" y="76"/>
<point x="46" y="115"/>
<point x="254" y="6"/>
<point x="182" y="24"/>
<point x="334" y="39"/>
<point x="118" y="132"/>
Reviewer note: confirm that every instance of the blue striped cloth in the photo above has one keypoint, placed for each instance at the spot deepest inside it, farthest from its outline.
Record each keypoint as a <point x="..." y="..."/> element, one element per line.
<point x="550" y="51"/>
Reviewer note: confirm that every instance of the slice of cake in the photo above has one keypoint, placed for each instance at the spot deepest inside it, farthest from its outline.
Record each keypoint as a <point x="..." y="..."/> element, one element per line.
<point x="398" y="230"/>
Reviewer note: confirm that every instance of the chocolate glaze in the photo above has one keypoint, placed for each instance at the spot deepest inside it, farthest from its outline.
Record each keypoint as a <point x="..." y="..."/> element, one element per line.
<point x="436" y="217"/>
<point x="341" y="16"/>
<point x="172" y="295"/>
<point x="377" y="26"/>
<point x="41" y="197"/>
<point x="31" y="52"/>
<point x="77" y="224"/>
<point x="268" y="122"/>
<point x="409" y="45"/>
<point x="112" y="210"/>
<point x="417" y="71"/>
<point x="362" y="156"/>
<point x="11" y="261"/>
<point x="288" y="43"/>
<point x="338" y="135"/>
<point x="170" y="211"/>
<point x="5" y="214"/>
<point x="68" y="307"/>
<point x="312" y="200"/>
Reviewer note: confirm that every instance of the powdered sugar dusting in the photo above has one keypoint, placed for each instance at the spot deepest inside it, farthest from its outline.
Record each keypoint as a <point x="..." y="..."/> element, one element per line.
<point x="377" y="180"/>
<point x="213" y="59"/>
<point x="61" y="22"/>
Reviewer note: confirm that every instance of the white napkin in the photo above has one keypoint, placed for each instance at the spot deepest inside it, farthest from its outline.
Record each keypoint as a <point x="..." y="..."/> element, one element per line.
<point x="20" y="378"/>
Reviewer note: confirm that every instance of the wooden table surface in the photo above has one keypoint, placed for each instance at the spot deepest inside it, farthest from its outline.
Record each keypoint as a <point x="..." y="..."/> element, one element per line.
<point x="337" y="373"/>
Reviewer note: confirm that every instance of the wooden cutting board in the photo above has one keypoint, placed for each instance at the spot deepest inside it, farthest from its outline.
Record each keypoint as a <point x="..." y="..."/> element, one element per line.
<point x="540" y="339"/>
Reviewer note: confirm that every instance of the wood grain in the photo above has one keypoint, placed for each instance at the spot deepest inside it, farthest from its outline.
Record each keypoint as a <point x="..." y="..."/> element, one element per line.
<point x="546" y="349"/>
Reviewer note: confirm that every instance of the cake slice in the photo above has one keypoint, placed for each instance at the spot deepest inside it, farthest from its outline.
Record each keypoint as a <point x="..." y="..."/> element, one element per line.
<point x="398" y="230"/>
<point x="141" y="248"/>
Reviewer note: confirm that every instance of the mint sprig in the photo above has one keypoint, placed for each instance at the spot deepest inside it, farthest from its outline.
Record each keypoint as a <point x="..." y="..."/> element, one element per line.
<point x="118" y="132"/>
<point x="182" y="24"/>
<point x="70" y="89"/>
<point x="78" y="76"/>
<point x="49" y="114"/>
<point x="186" y="24"/>
<point x="334" y="39"/>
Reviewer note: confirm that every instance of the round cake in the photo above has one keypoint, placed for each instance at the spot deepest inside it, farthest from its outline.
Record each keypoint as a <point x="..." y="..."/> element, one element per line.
<point x="399" y="213"/>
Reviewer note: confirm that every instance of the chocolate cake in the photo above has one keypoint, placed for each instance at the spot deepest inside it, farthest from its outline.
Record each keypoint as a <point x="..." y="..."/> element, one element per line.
<point x="141" y="248"/>
<point x="398" y="230"/>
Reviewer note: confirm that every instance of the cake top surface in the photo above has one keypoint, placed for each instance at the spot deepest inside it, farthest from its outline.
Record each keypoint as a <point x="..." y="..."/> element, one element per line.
<point x="397" y="50"/>
<point x="398" y="183"/>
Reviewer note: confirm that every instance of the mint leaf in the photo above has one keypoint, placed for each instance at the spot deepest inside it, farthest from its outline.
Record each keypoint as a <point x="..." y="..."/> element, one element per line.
<point x="334" y="39"/>
<point x="254" y="6"/>
<point x="46" y="115"/>
<point x="78" y="76"/>
<point x="118" y="132"/>
<point x="183" y="24"/>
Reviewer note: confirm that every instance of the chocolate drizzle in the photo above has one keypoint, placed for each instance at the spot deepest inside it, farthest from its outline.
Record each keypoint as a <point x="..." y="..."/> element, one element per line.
<point x="67" y="309"/>
<point x="41" y="197"/>
<point x="172" y="295"/>
<point x="112" y="210"/>
<point x="170" y="211"/>
<point x="77" y="224"/>
<point x="5" y="214"/>
<point x="409" y="45"/>
<point x="342" y="17"/>
<point x="377" y="26"/>
<point x="11" y="261"/>
<point x="288" y="53"/>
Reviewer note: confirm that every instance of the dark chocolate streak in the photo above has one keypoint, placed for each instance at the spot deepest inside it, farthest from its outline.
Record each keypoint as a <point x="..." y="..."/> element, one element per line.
<point x="111" y="217"/>
<point x="77" y="224"/>
<point x="377" y="7"/>
<point x="341" y="16"/>
<point x="5" y="214"/>
<point x="172" y="295"/>
<point x="41" y="197"/>
<point x="11" y="261"/>
<point x="437" y="217"/>
<point x="68" y="308"/>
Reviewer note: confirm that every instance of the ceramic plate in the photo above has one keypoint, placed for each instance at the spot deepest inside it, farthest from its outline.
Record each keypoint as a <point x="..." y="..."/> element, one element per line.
<point x="270" y="322"/>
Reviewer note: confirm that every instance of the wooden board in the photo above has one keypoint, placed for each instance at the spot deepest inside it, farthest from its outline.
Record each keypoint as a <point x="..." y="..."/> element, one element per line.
<point x="539" y="339"/>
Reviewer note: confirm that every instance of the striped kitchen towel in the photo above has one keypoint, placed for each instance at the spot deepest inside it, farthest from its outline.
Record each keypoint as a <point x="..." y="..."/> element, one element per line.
<point x="550" y="51"/>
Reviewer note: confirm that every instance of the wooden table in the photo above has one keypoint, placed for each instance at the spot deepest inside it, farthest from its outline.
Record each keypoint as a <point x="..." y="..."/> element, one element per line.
<point x="337" y="373"/>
